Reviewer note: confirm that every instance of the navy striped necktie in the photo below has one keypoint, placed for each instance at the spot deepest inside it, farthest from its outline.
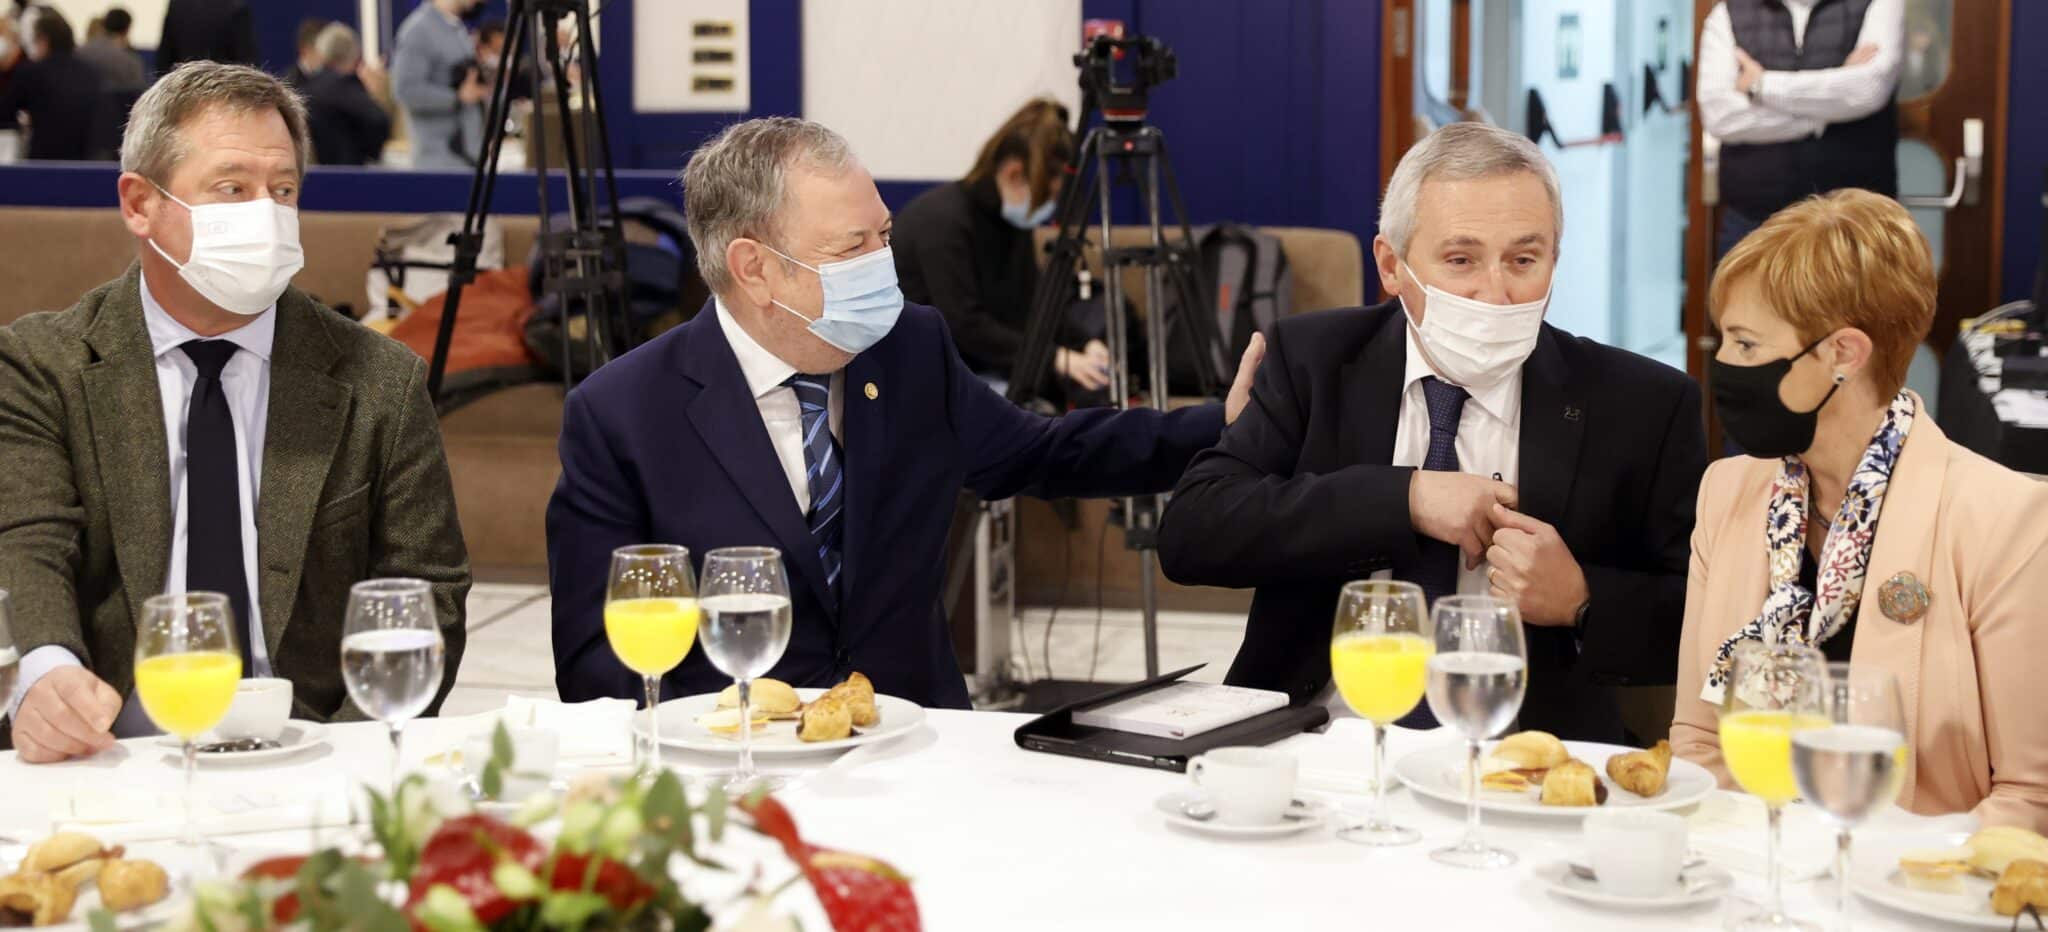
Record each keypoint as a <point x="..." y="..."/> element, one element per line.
<point x="822" y="469"/>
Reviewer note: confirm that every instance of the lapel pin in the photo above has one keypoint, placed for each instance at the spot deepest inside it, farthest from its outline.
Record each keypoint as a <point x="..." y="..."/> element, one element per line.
<point x="1903" y="599"/>
<point x="871" y="391"/>
<point x="1571" y="413"/>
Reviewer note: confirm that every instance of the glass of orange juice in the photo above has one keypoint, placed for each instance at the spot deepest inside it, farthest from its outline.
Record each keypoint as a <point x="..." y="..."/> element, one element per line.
<point x="1773" y="692"/>
<point x="650" y="618"/>
<point x="186" y="668"/>
<point x="1379" y="657"/>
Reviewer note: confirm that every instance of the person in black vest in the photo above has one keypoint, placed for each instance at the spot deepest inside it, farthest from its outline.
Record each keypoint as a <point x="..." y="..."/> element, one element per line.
<point x="1451" y="438"/>
<point x="1800" y="94"/>
<point x="966" y="247"/>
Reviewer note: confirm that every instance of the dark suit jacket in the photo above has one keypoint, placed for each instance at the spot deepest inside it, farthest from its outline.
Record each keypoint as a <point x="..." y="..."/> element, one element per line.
<point x="348" y="126"/>
<point x="61" y="95"/>
<point x="355" y="486"/>
<point x="220" y="30"/>
<point x="666" y="445"/>
<point x="1299" y="497"/>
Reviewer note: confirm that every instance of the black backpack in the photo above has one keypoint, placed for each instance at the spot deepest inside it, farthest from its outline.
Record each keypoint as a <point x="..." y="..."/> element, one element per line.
<point x="1244" y="271"/>
<point x="662" y="286"/>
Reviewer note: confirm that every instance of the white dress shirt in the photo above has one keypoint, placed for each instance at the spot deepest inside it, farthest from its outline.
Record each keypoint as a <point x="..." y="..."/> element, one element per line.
<point x="765" y="373"/>
<point x="1795" y="104"/>
<point x="246" y="382"/>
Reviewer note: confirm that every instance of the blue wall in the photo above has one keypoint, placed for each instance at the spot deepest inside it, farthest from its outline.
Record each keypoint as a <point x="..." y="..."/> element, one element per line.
<point x="2026" y="148"/>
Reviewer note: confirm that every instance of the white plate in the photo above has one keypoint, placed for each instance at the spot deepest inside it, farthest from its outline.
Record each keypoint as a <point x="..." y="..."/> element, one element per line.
<point x="679" y="728"/>
<point x="170" y="858"/>
<point x="1439" y="773"/>
<point x="297" y="737"/>
<point x="1309" y="814"/>
<point x="1873" y="874"/>
<point x="1703" y="884"/>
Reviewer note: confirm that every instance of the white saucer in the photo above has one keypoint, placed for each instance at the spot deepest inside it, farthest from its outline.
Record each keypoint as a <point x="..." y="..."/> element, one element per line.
<point x="1306" y="814"/>
<point x="1703" y="884"/>
<point x="297" y="737"/>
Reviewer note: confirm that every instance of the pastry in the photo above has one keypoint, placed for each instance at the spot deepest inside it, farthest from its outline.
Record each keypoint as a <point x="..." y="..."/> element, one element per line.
<point x="727" y="722"/>
<point x="1641" y="772"/>
<point x="126" y="885"/>
<point x="60" y="851"/>
<point x="1573" y="783"/>
<point x="1505" y="781"/>
<point x="2023" y="886"/>
<point x="1531" y="753"/>
<point x="1995" y="847"/>
<point x="859" y="696"/>
<point x="827" y="719"/>
<point x="772" y="698"/>
<point x="42" y="897"/>
<point x="1935" y="870"/>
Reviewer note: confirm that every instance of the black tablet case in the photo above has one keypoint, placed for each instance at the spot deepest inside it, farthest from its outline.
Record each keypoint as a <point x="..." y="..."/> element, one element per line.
<point x="1056" y="733"/>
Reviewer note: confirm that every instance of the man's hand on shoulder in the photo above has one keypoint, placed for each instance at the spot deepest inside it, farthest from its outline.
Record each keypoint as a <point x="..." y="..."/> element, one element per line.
<point x="68" y="713"/>
<point x="1241" y="389"/>
<point x="1457" y="508"/>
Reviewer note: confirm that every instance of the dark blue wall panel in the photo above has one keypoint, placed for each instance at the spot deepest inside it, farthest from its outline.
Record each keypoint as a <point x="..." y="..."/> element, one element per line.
<point x="2026" y="148"/>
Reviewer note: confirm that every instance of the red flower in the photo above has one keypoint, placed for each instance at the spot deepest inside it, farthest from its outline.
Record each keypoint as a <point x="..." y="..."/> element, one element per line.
<point x="859" y="893"/>
<point x="461" y="854"/>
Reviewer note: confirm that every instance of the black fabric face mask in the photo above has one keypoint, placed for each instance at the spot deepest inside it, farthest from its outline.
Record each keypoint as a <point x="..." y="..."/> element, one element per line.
<point x="1746" y="397"/>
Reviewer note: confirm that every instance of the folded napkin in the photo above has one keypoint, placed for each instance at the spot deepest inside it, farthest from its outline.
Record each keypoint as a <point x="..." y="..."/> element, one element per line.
<point x="1340" y="759"/>
<point x="127" y="817"/>
<point x="588" y="734"/>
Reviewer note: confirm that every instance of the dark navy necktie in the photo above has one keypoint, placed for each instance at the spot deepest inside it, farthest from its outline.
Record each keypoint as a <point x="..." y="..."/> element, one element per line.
<point x="822" y="469"/>
<point x="1437" y="572"/>
<point x="213" y="501"/>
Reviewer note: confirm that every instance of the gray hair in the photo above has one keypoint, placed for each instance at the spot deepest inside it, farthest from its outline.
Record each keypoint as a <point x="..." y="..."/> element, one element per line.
<point x="153" y="143"/>
<point x="336" y="45"/>
<point x="1460" y="152"/>
<point x="736" y="184"/>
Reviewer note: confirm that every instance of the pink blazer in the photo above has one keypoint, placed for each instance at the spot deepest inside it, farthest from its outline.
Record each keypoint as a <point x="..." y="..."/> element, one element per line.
<point x="1973" y="671"/>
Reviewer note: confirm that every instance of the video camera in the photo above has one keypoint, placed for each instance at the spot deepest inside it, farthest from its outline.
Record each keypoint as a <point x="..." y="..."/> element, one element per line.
<point x="1150" y="62"/>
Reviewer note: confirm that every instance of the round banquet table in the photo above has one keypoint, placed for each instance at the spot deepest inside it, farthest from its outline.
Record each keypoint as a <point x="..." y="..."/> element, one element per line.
<point x="996" y="837"/>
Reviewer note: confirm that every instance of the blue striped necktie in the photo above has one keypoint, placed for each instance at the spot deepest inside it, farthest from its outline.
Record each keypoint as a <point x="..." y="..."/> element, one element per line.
<point x="822" y="469"/>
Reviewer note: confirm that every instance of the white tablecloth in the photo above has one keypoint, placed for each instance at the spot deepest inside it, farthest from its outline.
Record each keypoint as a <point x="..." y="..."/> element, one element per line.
<point x="997" y="837"/>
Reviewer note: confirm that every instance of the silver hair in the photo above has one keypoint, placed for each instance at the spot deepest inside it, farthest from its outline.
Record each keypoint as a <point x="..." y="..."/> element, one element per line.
<point x="1460" y="152"/>
<point x="736" y="185"/>
<point x="337" y="46"/>
<point x="153" y="143"/>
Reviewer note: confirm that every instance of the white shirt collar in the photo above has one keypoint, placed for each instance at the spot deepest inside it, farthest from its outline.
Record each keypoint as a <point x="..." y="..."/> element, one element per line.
<point x="1502" y="399"/>
<point x="166" y="334"/>
<point x="765" y="371"/>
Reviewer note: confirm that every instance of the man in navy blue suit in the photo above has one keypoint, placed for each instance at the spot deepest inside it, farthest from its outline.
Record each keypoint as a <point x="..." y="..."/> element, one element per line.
<point x="808" y="408"/>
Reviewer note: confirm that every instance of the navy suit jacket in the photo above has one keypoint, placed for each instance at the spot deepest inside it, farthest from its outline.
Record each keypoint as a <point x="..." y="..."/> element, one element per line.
<point x="666" y="445"/>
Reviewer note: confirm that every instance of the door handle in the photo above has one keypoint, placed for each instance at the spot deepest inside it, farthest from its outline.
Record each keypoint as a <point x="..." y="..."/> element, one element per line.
<point x="1967" y="188"/>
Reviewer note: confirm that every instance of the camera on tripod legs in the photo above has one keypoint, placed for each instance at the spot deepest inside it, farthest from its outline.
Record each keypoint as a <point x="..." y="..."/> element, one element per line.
<point x="1151" y="64"/>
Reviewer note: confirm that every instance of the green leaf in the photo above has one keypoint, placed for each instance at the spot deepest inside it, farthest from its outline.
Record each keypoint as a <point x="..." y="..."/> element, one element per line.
<point x="445" y="910"/>
<point x="99" y="920"/>
<point x="501" y="745"/>
<point x="715" y="807"/>
<point x="491" y="781"/>
<point x="566" y="910"/>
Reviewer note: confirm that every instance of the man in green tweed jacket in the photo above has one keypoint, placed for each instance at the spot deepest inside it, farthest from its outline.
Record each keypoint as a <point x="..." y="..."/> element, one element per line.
<point x="199" y="425"/>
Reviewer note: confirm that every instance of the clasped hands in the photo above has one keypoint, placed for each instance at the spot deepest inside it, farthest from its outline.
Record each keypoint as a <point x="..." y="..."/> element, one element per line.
<point x="1531" y="567"/>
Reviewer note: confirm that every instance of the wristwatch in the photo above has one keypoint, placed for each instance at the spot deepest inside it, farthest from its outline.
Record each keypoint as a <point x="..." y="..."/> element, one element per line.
<point x="1579" y="618"/>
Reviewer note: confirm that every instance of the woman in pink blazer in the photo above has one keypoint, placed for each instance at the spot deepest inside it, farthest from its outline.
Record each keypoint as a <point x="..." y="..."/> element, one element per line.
<point x="1858" y="528"/>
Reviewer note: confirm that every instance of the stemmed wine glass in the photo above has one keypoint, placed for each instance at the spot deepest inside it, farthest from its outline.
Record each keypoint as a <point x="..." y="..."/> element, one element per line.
<point x="1773" y="691"/>
<point x="1476" y="683"/>
<point x="391" y="653"/>
<point x="745" y="597"/>
<point x="1379" y="654"/>
<point x="10" y="659"/>
<point x="650" y="617"/>
<point x="186" y="668"/>
<point x="1857" y="764"/>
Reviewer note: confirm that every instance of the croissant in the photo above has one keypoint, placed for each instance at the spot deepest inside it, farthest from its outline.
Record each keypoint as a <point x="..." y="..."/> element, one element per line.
<point x="859" y="696"/>
<point x="1573" y="783"/>
<point x="44" y="898"/>
<point x="827" y="719"/>
<point x="126" y="885"/>
<point x="1641" y="772"/>
<point x="2024" y="884"/>
<point x="60" y="851"/>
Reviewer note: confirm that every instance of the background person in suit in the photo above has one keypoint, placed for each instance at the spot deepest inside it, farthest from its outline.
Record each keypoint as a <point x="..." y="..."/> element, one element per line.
<point x="308" y="61"/>
<point x="1561" y="471"/>
<point x="110" y="54"/>
<point x="142" y="428"/>
<point x="809" y="408"/>
<point x="434" y="77"/>
<point x="59" y="92"/>
<point x="349" y="125"/>
<point x="1859" y="529"/>
<point x="207" y="30"/>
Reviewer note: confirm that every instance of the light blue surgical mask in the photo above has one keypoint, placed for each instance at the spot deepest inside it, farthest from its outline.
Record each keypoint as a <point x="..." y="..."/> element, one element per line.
<point x="1023" y="217"/>
<point x="862" y="300"/>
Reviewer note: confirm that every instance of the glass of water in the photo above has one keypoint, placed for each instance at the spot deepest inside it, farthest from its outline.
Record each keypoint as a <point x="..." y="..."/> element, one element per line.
<point x="1476" y="682"/>
<point x="744" y="595"/>
<point x="391" y="653"/>
<point x="1857" y="764"/>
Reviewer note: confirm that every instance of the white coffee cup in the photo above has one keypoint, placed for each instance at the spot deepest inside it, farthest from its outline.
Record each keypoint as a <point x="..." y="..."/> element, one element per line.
<point x="261" y="707"/>
<point x="1635" y="853"/>
<point x="1248" y="786"/>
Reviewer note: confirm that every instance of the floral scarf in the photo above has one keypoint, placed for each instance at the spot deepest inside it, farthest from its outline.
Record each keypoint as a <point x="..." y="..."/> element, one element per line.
<point x="1792" y="615"/>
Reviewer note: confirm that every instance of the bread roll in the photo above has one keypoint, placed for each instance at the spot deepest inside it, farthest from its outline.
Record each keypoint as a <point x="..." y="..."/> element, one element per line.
<point x="60" y="851"/>
<point x="1573" y="783"/>
<point x="1991" y="849"/>
<point x="1530" y="750"/>
<point x="126" y="885"/>
<point x="1641" y="772"/>
<point x="772" y="698"/>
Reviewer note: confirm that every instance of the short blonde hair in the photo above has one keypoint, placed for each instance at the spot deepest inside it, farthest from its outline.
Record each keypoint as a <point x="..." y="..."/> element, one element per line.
<point x="1848" y="258"/>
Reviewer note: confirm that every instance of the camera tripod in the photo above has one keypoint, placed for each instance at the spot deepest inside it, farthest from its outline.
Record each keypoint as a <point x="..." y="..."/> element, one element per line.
<point x="584" y="266"/>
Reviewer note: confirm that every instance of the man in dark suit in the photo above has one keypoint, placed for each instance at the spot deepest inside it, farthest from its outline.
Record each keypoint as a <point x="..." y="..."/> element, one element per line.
<point x="808" y="408"/>
<point x="199" y="425"/>
<point x="1561" y="471"/>
<point x="349" y="126"/>
<point x="59" y="91"/>
<point x="214" y="30"/>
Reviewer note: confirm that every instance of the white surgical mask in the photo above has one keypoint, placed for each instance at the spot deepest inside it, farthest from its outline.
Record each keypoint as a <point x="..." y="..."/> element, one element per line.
<point x="1472" y="343"/>
<point x="243" y="253"/>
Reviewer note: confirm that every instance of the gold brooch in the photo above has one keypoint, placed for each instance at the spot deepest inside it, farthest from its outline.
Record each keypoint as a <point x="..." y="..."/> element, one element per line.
<point x="872" y="392"/>
<point x="1903" y="599"/>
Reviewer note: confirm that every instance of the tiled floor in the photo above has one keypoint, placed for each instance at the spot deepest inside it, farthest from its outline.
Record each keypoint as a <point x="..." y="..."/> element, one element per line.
<point x="510" y="652"/>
